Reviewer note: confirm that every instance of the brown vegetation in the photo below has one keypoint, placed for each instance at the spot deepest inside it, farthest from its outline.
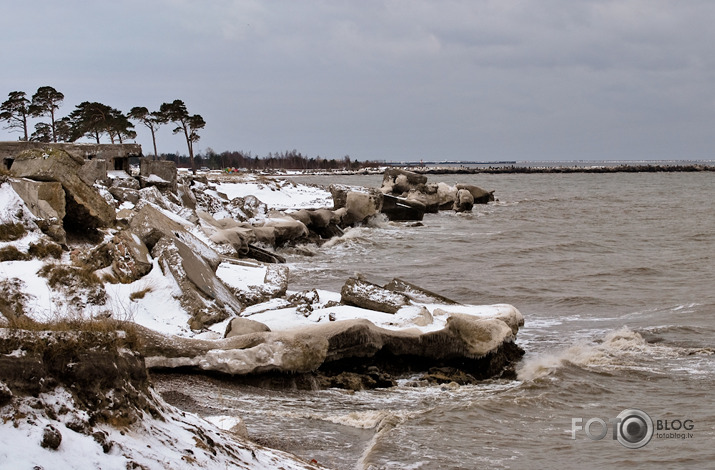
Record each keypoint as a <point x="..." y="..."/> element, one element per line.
<point x="12" y="231"/>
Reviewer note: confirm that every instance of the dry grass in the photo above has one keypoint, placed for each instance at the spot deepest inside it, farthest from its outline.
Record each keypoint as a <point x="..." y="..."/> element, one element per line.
<point x="139" y="294"/>
<point x="45" y="249"/>
<point x="10" y="253"/>
<point x="12" y="231"/>
<point x="79" y="323"/>
<point x="59" y="275"/>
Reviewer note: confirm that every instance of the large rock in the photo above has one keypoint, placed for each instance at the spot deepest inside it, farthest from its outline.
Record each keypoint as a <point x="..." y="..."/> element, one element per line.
<point x="254" y="283"/>
<point x="150" y="225"/>
<point x="396" y="181"/>
<point x="447" y="195"/>
<point x="464" y="202"/>
<point x="46" y="201"/>
<point x="362" y="205"/>
<point x="401" y="209"/>
<point x="480" y="347"/>
<point x="191" y="263"/>
<point x="243" y="326"/>
<point x="372" y="297"/>
<point x="418" y="293"/>
<point x="85" y="207"/>
<point x="480" y="195"/>
<point x="285" y="229"/>
<point x="426" y="195"/>
<point x="227" y="232"/>
<point x="130" y="257"/>
<point x="159" y="173"/>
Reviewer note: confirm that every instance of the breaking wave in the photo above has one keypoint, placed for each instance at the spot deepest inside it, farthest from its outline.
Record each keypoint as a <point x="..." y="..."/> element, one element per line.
<point x="619" y="349"/>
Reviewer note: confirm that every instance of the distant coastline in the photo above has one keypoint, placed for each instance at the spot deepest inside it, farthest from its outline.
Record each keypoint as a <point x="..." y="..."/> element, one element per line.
<point x="620" y="168"/>
<point x="524" y="167"/>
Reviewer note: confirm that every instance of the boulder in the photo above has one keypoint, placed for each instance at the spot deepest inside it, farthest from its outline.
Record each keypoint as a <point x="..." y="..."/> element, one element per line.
<point x="128" y="182"/>
<point x="93" y="170"/>
<point x="46" y="201"/>
<point x="302" y="216"/>
<point x="159" y="173"/>
<point x="480" y="347"/>
<point x="464" y="202"/>
<point x="418" y="293"/>
<point x="430" y="200"/>
<point x="322" y="218"/>
<point x="85" y="207"/>
<point x="398" y="181"/>
<point x="227" y="232"/>
<point x="253" y="283"/>
<point x="447" y="195"/>
<point x="243" y="326"/>
<point x="401" y="209"/>
<point x="286" y="229"/>
<point x="340" y="192"/>
<point x="130" y="257"/>
<point x="361" y="205"/>
<point x="150" y="225"/>
<point x="123" y="194"/>
<point x="190" y="262"/>
<point x="203" y="295"/>
<point x="479" y="195"/>
<point x="372" y="297"/>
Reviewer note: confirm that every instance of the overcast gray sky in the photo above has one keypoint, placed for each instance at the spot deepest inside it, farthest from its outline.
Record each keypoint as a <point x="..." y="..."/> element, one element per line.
<point x="396" y="80"/>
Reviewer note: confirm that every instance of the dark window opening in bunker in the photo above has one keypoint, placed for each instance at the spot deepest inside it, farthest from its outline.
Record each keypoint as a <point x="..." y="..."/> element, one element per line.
<point x="121" y="164"/>
<point x="8" y="162"/>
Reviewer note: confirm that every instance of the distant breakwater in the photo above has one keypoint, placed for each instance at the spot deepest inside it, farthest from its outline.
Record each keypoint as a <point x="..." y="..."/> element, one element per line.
<point x="563" y="169"/>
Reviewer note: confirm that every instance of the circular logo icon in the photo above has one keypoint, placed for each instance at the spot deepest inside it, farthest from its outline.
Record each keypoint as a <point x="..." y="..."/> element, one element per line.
<point x="635" y="428"/>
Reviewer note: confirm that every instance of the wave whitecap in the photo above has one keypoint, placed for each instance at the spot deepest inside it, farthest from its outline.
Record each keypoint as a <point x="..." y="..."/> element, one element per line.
<point x="618" y="349"/>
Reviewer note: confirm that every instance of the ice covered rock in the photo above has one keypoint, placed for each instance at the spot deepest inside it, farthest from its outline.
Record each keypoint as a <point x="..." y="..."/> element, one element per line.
<point x="464" y="202"/>
<point x="243" y="326"/>
<point x="417" y="293"/>
<point x="361" y="205"/>
<point x="401" y="209"/>
<point x="482" y="345"/>
<point x="372" y="297"/>
<point x="479" y="195"/>
<point x="396" y="181"/>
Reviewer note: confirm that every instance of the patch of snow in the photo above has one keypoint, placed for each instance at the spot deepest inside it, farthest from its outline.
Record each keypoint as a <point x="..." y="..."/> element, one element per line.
<point x="280" y="195"/>
<point x="159" y="309"/>
<point x="11" y="204"/>
<point x="241" y="277"/>
<point x="155" y="179"/>
<point x="120" y="174"/>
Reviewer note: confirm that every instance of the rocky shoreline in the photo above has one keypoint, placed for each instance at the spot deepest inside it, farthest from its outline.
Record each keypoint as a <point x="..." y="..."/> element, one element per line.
<point x="166" y="272"/>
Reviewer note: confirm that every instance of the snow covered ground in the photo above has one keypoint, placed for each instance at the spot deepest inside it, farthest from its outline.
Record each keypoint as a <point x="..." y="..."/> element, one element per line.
<point x="279" y="195"/>
<point x="174" y="440"/>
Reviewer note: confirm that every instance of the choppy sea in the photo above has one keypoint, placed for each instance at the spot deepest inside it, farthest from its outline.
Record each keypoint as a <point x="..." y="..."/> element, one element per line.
<point x="615" y="276"/>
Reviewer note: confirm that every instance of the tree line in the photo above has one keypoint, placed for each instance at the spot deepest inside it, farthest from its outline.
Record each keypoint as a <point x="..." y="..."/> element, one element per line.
<point x="94" y="120"/>
<point x="289" y="159"/>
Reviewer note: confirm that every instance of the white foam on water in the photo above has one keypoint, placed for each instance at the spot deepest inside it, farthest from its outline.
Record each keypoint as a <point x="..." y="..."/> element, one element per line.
<point x="622" y="348"/>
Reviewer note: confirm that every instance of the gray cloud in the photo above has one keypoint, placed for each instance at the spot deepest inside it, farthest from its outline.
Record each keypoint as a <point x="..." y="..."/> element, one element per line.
<point x="404" y="80"/>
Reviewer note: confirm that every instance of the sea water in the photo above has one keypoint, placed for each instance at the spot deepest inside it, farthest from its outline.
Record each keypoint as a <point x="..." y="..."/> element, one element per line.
<point x="615" y="276"/>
